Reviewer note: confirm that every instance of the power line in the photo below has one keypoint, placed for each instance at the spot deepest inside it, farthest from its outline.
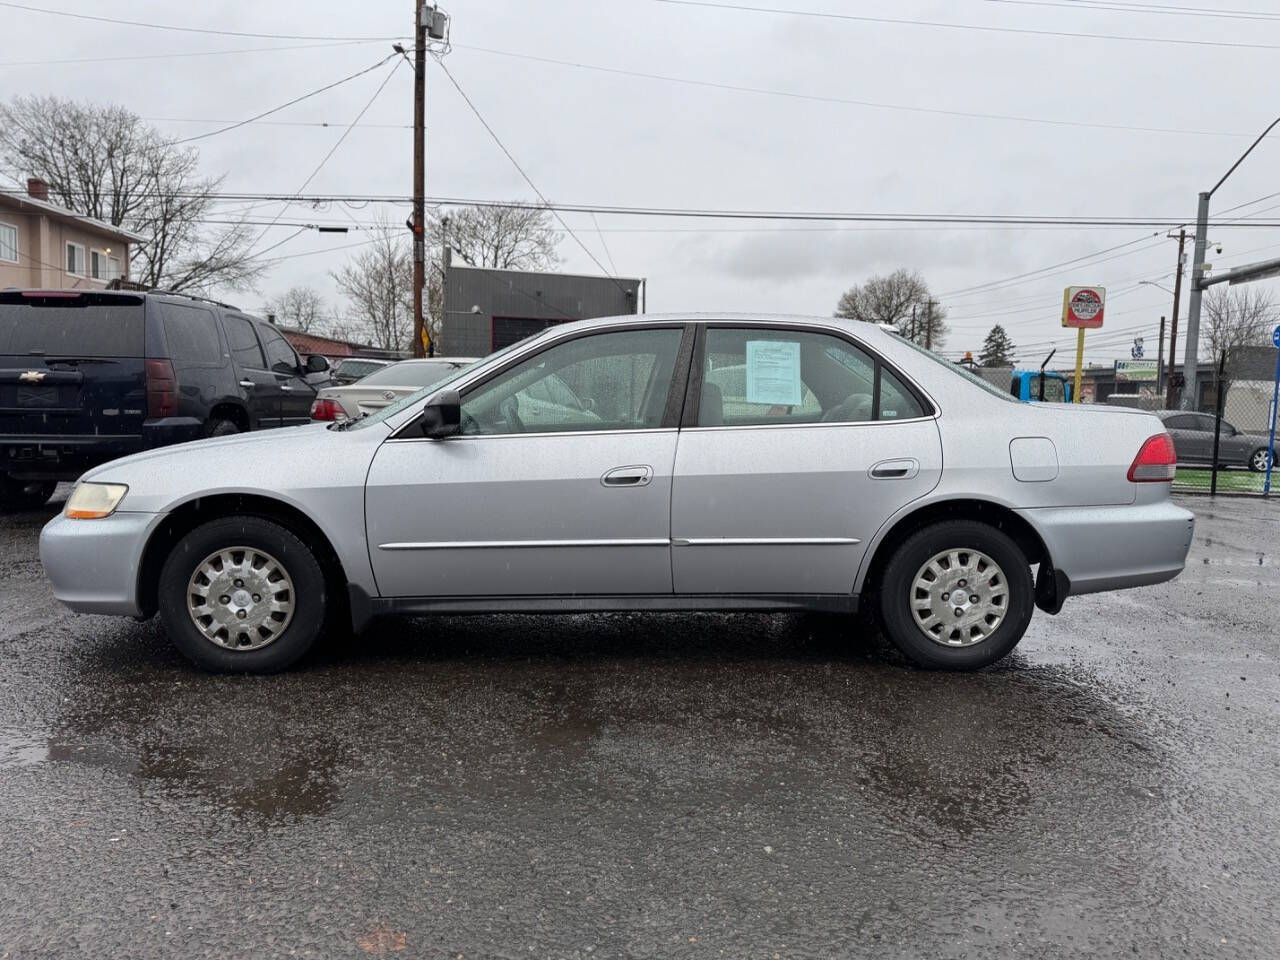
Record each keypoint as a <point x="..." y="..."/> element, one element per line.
<point x="332" y="150"/>
<point x="984" y="28"/>
<point x="323" y="124"/>
<point x="180" y="29"/>
<point x="604" y="243"/>
<point x="305" y="96"/>
<point x="845" y="101"/>
<point x="1160" y="8"/>
<point x="180" y="56"/>
<point x="527" y="179"/>
<point x="982" y="287"/>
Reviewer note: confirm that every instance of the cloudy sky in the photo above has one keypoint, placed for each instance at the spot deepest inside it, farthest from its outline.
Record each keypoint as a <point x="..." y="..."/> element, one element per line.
<point x="859" y="115"/>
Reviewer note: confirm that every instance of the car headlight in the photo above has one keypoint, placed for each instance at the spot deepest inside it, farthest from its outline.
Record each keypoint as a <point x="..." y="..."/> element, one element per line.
<point x="93" y="501"/>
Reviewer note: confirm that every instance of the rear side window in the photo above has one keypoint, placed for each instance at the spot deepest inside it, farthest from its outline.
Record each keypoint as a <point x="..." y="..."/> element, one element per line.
<point x="192" y="334"/>
<point x="244" y="342"/>
<point x="85" y="325"/>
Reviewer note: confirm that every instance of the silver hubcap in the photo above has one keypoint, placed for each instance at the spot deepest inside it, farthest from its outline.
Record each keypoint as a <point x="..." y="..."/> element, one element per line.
<point x="959" y="598"/>
<point x="1260" y="461"/>
<point x="240" y="598"/>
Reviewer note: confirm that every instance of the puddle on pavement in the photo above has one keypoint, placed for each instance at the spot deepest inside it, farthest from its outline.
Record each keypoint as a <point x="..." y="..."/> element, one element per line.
<point x="20" y="750"/>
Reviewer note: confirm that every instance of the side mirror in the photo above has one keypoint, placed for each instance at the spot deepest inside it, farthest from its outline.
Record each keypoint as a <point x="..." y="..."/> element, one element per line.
<point x="317" y="364"/>
<point x="442" y="416"/>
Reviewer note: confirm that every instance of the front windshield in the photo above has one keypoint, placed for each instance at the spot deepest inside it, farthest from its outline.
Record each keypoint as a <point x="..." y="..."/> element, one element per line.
<point x="954" y="368"/>
<point x="412" y="373"/>
<point x="391" y="409"/>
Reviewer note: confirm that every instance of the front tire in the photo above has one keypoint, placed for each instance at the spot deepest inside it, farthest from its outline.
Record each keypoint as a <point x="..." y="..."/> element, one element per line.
<point x="243" y="595"/>
<point x="956" y="596"/>
<point x="18" y="494"/>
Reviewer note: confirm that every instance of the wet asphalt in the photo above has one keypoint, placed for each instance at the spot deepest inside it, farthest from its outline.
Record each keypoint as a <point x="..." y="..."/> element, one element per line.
<point x="654" y="786"/>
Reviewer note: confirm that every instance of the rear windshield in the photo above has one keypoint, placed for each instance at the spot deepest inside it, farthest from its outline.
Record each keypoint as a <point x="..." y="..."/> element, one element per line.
<point x="86" y="325"/>
<point x="412" y="374"/>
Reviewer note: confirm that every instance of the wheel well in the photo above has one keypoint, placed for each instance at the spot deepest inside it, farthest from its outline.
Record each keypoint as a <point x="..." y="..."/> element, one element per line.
<point x="192" y="514"/>
<point x="233" y="412"/>
<point x="982" y="511"/>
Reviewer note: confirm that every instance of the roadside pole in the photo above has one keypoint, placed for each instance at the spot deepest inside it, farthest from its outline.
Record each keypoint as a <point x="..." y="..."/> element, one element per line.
<point x="1075" y="394"/>
<point x="420" y="14"/>
<point x="1189" y="391"/>
<point x="1275" y="399"/>
<point x="1173" y="327"/>
<point x="1082" y="309"/>
<point x="1220" y="400"/>
<point x="1160" y="362"/>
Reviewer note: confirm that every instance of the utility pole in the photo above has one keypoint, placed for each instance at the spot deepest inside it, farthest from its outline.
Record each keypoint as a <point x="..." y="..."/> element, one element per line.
<point x="1189" y="392"/>
<point x="913" y="323"/>
<point x="446" y="261"/>
<point x="928" y="325"/>
<point x="1169" y="400"/>
<point x="421" y="15"/>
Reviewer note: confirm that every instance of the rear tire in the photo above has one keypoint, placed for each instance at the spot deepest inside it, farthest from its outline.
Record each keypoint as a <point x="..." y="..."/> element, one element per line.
<point x="1258" y="460"/>
<point x="18" y="494"/>
<point x="975" y="608"/>
<point x="250" y="566"/>
<point x="221" y="428"/>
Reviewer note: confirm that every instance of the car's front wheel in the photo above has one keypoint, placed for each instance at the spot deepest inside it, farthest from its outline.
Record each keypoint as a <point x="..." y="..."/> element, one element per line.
<point x="956" y="595"/>
<point x="18" y="494"/>
<point x="243" y="595"/>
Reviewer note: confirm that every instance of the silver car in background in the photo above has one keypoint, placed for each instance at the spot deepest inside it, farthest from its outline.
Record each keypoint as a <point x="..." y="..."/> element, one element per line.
<point x="383" y="387"/>
<point x="728" y="463"/>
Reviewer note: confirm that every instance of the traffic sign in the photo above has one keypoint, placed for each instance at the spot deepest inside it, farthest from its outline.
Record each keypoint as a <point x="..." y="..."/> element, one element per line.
<point x="1082" y="307"/>
<point x="1275" y="335"/>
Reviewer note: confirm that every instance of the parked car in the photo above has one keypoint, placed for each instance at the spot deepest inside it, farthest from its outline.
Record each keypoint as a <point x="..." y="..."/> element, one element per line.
<point x="927" y="506"/>
<point x="383" y="386"/>
<point x="86" y="377"/>
<point x="1192" y="435"/>
<point x="350" y="369"/>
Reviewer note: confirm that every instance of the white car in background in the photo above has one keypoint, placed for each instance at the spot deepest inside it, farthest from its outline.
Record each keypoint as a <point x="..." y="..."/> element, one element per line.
<point x="384" y="387"/>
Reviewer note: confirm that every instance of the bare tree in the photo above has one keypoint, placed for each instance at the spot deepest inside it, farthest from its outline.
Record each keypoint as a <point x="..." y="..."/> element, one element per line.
<point x="105" y="162"/>
<point x="299" y="308"/>
<point x="902" y="299"/>
<point x="378" y="285"/>
<point x="1238" y="317"/>
<point x="506" y="238"/>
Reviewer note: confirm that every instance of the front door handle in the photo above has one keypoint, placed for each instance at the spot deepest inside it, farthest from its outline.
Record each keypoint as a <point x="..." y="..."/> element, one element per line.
<point x="635" y="476"/>
<point x="895" y="470"/>
<point x="247" y="384"/>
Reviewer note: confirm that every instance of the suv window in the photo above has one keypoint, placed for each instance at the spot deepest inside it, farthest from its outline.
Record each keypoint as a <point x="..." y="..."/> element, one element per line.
<point x="191" y="334"/>
<point x="280" y="356"/>
<point x="754" y="377"/>
<point x="605" y="381"/>
<point x="244" y="342"/>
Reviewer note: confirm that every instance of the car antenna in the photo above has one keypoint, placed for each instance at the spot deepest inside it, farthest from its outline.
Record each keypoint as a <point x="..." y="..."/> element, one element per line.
<point x="1042" y="366"/>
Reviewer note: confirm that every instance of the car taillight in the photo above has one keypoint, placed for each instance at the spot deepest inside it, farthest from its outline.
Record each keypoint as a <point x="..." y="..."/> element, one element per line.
<point x="162" y="389"/>
<point x="1156" y="462"/>
<point x="326" y="409"/>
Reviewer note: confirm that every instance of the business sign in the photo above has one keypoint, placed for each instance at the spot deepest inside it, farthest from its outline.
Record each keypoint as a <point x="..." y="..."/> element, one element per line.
<point x="1137" y="371"/>
<point x="1082" y="307"/>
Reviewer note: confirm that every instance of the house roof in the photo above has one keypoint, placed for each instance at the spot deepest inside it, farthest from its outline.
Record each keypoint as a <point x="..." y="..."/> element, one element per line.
<point x="26" y="204"/>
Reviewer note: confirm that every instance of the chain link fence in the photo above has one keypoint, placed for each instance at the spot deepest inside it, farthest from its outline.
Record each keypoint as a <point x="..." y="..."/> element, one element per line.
<point x="1223" y="442"/>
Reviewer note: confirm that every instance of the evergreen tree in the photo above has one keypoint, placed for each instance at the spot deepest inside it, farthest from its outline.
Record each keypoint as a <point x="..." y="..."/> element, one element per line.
<point x="997" y="349"/>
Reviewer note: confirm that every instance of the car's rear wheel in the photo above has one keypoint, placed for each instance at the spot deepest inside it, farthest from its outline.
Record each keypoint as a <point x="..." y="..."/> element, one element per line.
<point x="221" y="428"/>
<point x="956" y="595"/>
<point x="1258" y="460"/>
<point x="243" y="595"/>
<point x="16" y="494"/>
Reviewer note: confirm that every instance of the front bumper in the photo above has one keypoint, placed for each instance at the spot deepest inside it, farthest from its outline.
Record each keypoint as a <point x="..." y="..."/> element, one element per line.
<point x="1111" y="548"/>
<point x="93" y="564"/>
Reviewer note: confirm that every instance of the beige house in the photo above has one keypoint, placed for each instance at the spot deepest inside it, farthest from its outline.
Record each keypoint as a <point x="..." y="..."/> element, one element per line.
<point x="47" y="247"/>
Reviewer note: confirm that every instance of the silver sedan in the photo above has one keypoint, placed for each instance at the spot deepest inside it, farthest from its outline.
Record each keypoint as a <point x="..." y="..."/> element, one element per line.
<point x="640" y="463"/>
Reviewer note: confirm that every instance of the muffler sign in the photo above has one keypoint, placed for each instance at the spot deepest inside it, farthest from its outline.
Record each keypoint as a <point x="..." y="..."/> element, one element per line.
<point x="1082" y="307"/>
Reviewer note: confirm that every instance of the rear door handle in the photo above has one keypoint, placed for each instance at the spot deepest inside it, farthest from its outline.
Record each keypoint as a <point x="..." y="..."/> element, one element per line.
<point x="247" y="384"/>
<point x="635" y="476"/>
<point x="895" y="469"/>
<point x="286" y="388"/>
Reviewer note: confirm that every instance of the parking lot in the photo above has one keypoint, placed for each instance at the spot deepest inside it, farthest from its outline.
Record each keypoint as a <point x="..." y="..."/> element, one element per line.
<point x="654" y="786"/>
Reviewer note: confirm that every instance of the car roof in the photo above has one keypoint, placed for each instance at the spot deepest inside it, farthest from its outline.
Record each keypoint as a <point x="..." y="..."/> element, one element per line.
<point x="869" y="331"/>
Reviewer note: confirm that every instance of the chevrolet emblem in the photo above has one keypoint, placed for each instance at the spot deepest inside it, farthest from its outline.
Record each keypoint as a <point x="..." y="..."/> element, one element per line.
<point x="32" y="376"/>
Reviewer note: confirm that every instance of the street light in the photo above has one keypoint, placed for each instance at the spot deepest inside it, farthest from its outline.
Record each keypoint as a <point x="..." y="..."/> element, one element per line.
<point x="1197" y="276"/>
<point x="1152" y="283"/>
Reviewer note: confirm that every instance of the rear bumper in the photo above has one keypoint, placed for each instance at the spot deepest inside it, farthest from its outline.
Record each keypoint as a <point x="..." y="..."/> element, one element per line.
<point x="54" y="457"/>
<point x="1112" y="548"/>
<point x="93" y="564"/>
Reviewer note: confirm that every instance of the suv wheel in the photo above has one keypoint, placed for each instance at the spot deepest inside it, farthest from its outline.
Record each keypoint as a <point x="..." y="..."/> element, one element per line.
<point x="243" y="595"/>
<point x="956" y="596"/>
<point x="18" y="494"/>
<point x="221" y="428"/>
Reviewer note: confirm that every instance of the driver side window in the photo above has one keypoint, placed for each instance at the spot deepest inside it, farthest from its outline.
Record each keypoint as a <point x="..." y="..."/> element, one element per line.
<point x="605" y="381"/>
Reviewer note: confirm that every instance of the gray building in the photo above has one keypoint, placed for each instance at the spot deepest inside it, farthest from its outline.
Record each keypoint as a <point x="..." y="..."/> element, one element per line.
<point x="487" y="309"/>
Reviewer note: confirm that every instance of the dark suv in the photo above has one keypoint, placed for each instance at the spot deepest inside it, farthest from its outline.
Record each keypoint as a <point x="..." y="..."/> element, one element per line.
<point x="86" y="377"/>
